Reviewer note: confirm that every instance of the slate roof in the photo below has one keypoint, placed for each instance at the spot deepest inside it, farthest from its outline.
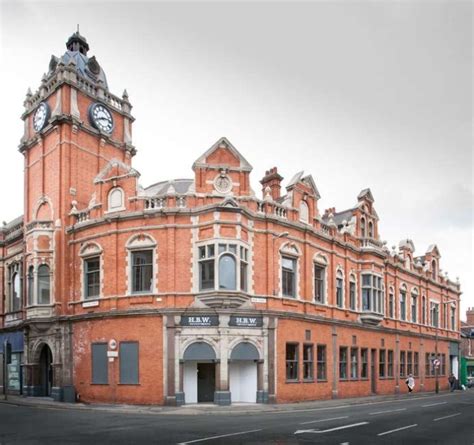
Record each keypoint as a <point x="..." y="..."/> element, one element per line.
<point x="341" y="216"/>
<point x="178" y="186"/>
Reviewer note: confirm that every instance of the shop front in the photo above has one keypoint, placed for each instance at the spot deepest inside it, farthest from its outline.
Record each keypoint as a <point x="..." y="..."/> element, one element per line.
<point x="219" y="358"/>
<point x="15" y="367"/>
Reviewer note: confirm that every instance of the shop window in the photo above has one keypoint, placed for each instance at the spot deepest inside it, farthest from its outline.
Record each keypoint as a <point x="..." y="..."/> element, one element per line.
<point x="100" y="364"/>
<point x="364" y="362"/>
<point x="342" y="363"/>
<point x="308" y="362"/>
<point x="390" y="363"/>
<point x="354" y="363"/>
<point x="416" y="364"/>
<point x="31" y="285"/>
<point x="352" y="292"/>
<point x="288" y="276"/>
<point x="128" y="356"/>
<point x="403" y="304"/>
<point x="427" y="364"/>
<point x="382" y="363"/>
<point x="402" y="364"/>
<point x="409" y="362"/>
<point x="321" y="352"/>
<point x="292" y="361"/>
<point x="44" y="285"/>
<point x="339" y="289"/>
<point x="142" y="271"/>
<point x="92" y="277"/>
<point x="372" y="293"/>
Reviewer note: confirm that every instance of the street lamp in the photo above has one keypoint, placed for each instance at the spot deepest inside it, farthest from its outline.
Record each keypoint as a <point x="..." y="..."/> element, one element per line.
<point x="436" y="346"/>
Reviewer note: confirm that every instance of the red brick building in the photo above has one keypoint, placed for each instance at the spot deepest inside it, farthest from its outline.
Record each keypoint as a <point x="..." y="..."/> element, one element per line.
<point x="200" y="289"/>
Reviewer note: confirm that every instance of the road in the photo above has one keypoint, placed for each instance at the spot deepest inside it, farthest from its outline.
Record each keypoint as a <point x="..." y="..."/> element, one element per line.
<point x="444" y="419"/>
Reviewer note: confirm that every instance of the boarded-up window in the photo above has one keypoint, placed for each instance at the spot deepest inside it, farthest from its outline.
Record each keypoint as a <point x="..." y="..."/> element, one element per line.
<point x="129" y="363"/>
<point x="100" y="374"/>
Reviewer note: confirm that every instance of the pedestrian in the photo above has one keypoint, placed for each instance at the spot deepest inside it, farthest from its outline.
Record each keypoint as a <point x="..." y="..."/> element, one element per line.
<point x="410" y="381"/>
<point x="452" y="382"/>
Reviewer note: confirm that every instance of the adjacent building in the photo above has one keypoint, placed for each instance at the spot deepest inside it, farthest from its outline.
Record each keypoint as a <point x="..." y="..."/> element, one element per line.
<point x="200" y="289"/>
<point x="467" y="348"/>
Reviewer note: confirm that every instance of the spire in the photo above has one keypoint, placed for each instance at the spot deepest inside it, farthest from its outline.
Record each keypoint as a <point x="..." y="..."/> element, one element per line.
<point x="77" y="43"/>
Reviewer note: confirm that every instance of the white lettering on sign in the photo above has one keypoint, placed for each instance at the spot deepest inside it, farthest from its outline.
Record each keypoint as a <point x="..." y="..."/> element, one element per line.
<point x="90" y="303"/>
<point x="112" y="353"/>
<point x="246" y="320"/>
<point x="200" y="320"/>
<point x="258" y="300"/>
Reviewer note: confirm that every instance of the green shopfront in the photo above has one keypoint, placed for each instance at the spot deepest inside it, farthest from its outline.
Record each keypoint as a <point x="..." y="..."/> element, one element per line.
<point x="15" y="367"/>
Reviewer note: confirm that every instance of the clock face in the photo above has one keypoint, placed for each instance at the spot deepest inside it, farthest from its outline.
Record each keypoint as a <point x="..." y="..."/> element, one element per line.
<point x="101" y="118"/>
<point x="41" y="116"/>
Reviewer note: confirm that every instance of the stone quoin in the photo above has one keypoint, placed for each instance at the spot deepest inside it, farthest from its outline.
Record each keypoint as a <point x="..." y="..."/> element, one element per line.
<point x="200" y="290"/>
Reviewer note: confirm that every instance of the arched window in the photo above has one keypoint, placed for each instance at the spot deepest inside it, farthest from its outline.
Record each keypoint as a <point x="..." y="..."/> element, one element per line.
<point x="414" y="305"/>
<point x="423" y="310"/>
<point x="44" y="285"/>
<point x="339" y="289"/>
<point x="116" y="199"/>
<point x="320" y="265"/>
<point x="352" y="292"/>
<point x="403" y="303"/>
<point x="433" y="269"/>
<point x="304" y="212"/>
<point x="391" y="303"/>
<point x="14" y="273"/>
<point x="371" y="230"/>
<point x="227" y="272"/>
<point x="31" y="289"/>
<point x="362" y="227"/>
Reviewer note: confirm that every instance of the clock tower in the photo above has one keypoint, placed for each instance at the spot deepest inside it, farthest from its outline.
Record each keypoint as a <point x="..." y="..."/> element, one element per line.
<point x="74" y="128"/>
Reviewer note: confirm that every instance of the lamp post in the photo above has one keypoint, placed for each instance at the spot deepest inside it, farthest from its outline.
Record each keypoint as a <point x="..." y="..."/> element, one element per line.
<point x="436" y="346"/>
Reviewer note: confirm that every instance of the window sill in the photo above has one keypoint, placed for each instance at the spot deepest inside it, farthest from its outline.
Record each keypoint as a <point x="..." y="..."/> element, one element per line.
<point x="292" y="381"/>
<point x="308" y="380"/>
<point x="129" y="384"/>
<point x="100" y="384"/>
<point x="321" y="380"/>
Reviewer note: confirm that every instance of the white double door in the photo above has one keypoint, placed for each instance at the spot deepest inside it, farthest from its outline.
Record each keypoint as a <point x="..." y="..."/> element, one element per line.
<point x="243" y="381"/>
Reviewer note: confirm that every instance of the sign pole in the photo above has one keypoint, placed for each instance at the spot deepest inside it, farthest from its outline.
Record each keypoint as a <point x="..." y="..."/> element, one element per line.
<point x="5" y="370"/>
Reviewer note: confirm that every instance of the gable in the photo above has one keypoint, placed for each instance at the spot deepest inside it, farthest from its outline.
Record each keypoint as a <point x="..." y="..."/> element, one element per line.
<point x="114" y="170"/>
<point x="223" y="154"/>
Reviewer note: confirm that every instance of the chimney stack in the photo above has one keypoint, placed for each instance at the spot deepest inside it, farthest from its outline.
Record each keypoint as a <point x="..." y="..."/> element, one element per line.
<point x="470" y="316"/>
<point x="272" y="179"/>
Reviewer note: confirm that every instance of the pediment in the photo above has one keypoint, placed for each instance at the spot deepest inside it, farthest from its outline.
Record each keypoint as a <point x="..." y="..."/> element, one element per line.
<point x="223" y="154"/>
<point x="115" y="170"/>
<point x="307" y="180"/>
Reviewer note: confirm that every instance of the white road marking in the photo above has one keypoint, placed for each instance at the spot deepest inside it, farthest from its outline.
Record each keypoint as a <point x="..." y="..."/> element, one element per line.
<point x="397" y="429"/>
<point x="331" y="429"/>
<point x="388" y="411"/>
<point x="218" y="437"/>
<point x="324" y="420"/>
<point x="446" y="417"/>
<point x="434" y="404"/>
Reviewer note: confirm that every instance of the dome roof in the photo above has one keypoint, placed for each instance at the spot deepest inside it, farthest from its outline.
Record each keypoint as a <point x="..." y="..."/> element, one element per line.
<point x="76" y="54"/>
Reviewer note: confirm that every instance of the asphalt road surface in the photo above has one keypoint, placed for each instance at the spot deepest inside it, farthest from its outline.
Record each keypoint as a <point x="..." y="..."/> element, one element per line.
<point x="444" y="419"/>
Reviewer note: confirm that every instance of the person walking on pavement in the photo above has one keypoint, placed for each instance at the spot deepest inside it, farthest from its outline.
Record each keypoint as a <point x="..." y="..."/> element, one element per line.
<point x="410" y="381"/>
<point x="452" y="381"/>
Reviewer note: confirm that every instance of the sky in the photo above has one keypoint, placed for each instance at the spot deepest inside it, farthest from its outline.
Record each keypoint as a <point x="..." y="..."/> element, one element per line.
<point x="358" y="94"/>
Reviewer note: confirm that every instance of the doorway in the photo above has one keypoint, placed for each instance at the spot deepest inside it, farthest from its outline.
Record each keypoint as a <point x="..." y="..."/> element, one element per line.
<point x="46" y="371"/>
<point x="206" y="373"/>
<point x="373" y="376"/>
<point x="243" y="381"/>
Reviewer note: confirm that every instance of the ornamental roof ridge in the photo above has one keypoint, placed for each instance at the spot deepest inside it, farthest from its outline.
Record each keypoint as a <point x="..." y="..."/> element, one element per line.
<point x="102" y="176"/>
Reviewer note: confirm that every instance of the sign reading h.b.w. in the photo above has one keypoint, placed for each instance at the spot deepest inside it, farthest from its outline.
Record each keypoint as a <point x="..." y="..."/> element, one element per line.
<point x="245" y="321"/>
<point x="199" y="320"/>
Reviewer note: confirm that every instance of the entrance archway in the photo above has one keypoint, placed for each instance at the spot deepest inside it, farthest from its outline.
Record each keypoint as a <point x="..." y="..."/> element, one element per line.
<point x="199" y="377"/>
<point x="46" y="371"/>
<point x="243" y="374"/>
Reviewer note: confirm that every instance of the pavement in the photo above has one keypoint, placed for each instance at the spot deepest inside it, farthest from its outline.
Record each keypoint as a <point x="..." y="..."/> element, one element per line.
<point x="210" y="408"/>
<point x="415" y="419"/>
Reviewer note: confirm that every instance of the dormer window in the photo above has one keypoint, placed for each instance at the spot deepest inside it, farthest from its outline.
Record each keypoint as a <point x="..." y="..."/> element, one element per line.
<point x="371" y="229"/>
<point x="433" y="269"/>
<point x="116" y="201"/>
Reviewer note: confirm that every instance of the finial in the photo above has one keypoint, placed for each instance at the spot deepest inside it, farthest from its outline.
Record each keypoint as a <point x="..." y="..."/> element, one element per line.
<point x="28" y="92"/>
<point x="125" y="95"/>
<point x="78" y="28"/>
